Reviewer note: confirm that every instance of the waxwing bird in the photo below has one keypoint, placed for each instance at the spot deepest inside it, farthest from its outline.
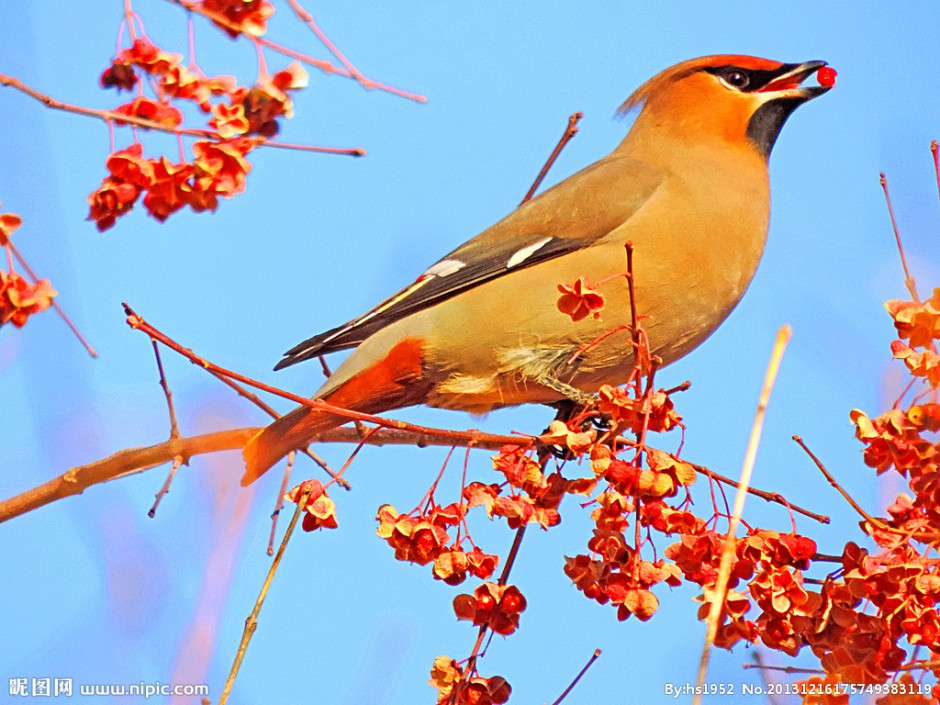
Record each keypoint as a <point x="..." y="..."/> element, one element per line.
<point x="480" y="328"/>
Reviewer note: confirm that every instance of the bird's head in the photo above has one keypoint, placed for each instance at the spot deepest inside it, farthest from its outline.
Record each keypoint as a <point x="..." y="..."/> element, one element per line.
<point x="739" y="99"/>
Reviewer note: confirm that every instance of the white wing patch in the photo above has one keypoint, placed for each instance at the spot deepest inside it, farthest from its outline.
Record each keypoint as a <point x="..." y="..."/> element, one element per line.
<point x="522" y="255"/>
<point x="444" y="267"/>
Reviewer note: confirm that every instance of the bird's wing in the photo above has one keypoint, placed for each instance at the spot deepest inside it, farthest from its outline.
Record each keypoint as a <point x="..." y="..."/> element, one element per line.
<point x="572" y="215"/>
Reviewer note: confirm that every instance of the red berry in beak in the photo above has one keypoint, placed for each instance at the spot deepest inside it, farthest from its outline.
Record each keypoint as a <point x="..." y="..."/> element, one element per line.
<point x="826" y="77"/>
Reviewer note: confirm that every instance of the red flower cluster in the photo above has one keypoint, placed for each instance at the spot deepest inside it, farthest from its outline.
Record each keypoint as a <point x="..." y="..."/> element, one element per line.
<point x="19" y="299"/>
<point x="319" y="510"/>
<point x="424" y="539"/>
<point x="496" y="606"/>
<point x="219" y="169"/>
<point x="654" y="412"/>
<point x="219" y="166"/>
<point x="538" y="498"/>
<point x="457" y="687"/>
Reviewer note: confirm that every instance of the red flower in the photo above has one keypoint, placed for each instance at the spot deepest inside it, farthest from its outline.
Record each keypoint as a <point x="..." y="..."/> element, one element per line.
<point x="250" y="16"/>
<point x="149" y="57"/>
<point x="9" y="222"/>
<point x="128" y="165"/>
<point x="112" y="199"/>
<point x="580" y="300"/>
<point x="120" y="75"/>
<point x="221" y="167"/>
<point x="156" y="111"/>
<point x="170" y="190"/>
<point x="229" y="120"/>
<point x="497" y="606"/>
<point x="319" y="510"/>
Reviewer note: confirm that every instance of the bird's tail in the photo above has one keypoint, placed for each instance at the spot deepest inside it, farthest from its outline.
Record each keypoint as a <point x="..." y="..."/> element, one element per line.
<point x="395" y="381"/>
<point x="288" y="433"/>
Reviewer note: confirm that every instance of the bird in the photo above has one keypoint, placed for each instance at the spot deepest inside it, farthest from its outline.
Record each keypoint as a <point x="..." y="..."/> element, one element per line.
<point x="481" y="329"/>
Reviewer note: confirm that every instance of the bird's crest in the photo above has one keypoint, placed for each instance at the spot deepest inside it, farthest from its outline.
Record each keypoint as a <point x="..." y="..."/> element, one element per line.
<point x="686" y="68"/>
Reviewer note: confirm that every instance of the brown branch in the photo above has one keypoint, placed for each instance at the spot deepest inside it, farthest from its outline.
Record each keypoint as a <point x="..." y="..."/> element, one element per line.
<point x="308" y="20"/>
<point x="113" y="117"/>
<point x="174" y="432"/>
<point x="460" y="437"/>
<point x="784" y="669"/>
<point x="279" y="505"/>
<point x="774" y="497"/>
<point x="124" y="462"/>
<point x="570" y="132"/>
<point x="134" y="460"/>
<point x="325" y="66"/>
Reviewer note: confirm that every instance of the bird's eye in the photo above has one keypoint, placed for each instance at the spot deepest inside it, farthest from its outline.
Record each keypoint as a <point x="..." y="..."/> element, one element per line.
<point x="737" y="78"/>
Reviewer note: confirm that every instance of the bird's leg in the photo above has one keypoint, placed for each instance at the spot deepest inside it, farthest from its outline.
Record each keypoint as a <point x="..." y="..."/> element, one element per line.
<point x="574" y="403"/>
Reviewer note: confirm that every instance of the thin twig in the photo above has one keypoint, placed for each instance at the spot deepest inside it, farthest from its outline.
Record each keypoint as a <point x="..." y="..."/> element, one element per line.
<point x="845" y="495"/>
<point x="917" y="534"/>
<point x="308" y="20"/>
<point x="171" y="410"/>
<point x="58" y="309"/>
<point x="936" y="162"/>
<point x="684" y="387"/>
<point x="785" y="669"/>
<point x="279" y="505"/>
<point x="165" y="489"/>
<point x="765" y="676"/>
<point x="251" y="624"/>
<point x="174" y="431"/>
<point x="594" y="657"/>
<point x="112" y="117"/>
<point x="908" y="279"/>
<point x="774" y="497"/>
<point x="728" y="550"/>
<point x="569" y="132"/>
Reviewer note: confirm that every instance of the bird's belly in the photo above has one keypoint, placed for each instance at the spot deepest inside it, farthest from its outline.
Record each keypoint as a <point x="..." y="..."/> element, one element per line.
<point x="518" y="337"/>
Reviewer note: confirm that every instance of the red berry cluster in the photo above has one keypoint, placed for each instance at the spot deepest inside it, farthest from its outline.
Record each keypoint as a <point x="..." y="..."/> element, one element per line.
<point x="496" y="606"/>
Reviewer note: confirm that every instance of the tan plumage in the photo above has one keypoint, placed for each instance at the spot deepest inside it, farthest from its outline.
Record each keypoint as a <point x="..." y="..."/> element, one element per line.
<point x="688" y="186"/>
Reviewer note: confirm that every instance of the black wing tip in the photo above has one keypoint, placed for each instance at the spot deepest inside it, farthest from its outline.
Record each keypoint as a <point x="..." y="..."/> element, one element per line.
<point x="286" y="362"/>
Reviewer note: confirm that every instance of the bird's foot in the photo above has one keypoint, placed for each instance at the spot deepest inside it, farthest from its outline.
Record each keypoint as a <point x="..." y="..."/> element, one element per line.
<point x="573" y="394"/>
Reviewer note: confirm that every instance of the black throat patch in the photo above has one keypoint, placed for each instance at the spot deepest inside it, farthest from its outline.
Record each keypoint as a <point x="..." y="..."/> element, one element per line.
<point x="766" y="123"/>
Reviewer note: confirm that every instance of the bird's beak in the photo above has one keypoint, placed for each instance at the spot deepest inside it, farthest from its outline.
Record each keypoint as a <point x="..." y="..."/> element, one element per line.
<point x="788" y="82"/>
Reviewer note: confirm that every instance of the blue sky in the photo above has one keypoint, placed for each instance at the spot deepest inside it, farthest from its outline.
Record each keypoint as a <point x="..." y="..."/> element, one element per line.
<point x="101" y="593"/>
